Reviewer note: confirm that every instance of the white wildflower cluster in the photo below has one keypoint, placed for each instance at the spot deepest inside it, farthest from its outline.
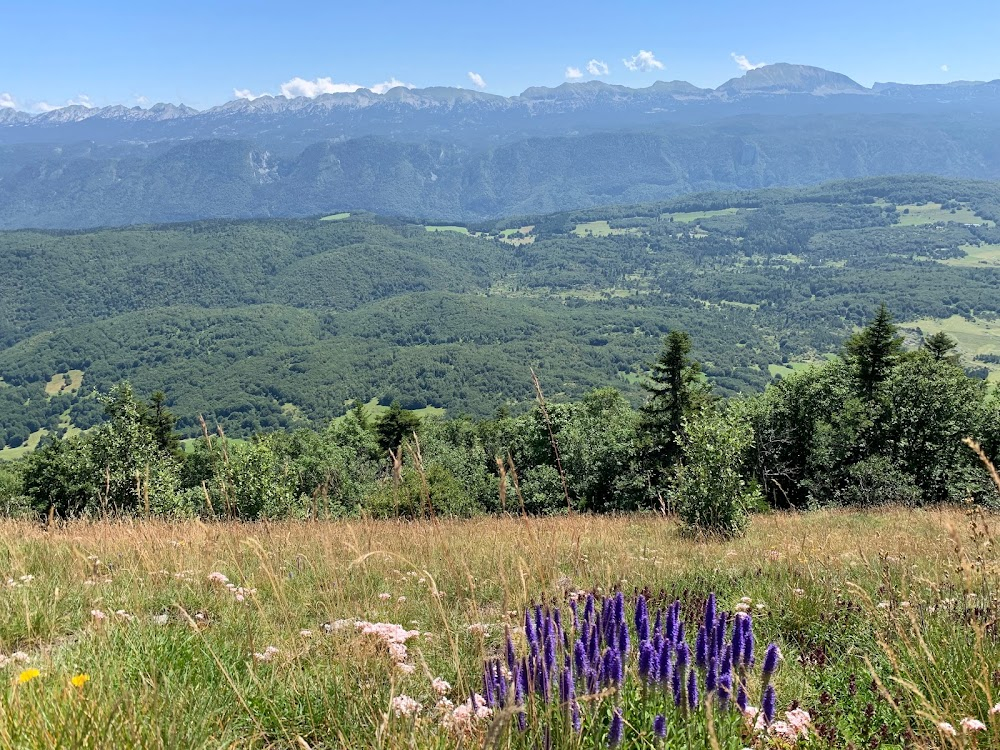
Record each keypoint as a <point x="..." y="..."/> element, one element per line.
<point x="18" y="657"/>
<point x="240" y="593"/>
<point x="266" y="655"/>
<point x="461" y="719"/>
<point x="795" y="725"/>
<point x="19" y="582"/>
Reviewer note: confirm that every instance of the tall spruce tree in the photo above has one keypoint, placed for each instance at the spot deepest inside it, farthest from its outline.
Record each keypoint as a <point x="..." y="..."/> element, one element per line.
<point x="873" y="351"/>
<point x="675" y="390"/>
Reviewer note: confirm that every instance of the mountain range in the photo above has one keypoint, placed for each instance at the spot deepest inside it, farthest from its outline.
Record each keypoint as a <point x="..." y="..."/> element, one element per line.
<point x="466" y="155"/>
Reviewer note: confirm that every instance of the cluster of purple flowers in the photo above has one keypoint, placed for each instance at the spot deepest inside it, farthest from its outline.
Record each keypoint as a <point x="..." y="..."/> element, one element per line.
<point x="593" y="652"/>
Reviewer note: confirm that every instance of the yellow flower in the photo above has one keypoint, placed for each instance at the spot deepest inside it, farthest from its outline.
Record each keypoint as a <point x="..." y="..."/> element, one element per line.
<point x="27" y="675"/>
<point x="79" y="680"/>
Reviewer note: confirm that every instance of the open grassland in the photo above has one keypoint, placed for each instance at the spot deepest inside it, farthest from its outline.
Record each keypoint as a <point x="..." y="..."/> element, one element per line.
<point x="447" y="228"/>
<point x="64" y="382"/>
<point x="913" y="214"/>
<point x="696" y="216"/>
<point x="11" y="454"/>
<point x="977" y="336"/>
<point x="336" y="217"/>
<point x="119" y="634"/>
<point x="976" y="256"/>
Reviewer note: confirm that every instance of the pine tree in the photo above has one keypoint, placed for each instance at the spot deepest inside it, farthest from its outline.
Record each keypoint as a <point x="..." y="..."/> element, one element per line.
<point x="162" y="421"/>
<point x="675" y="391"/>
<point x="874" y="351"/>
<point x="941" y="346"/>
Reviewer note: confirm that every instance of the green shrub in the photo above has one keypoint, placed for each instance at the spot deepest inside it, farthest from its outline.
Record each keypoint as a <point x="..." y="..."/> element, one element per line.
<point x="710" y="491"/>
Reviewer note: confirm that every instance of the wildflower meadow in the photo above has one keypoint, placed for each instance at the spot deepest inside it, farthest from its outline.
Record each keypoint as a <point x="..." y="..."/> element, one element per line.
<point x="828" y="629"/>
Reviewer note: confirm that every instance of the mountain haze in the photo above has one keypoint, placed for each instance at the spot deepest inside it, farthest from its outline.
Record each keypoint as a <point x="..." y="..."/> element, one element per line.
<point x="464" y="155"/>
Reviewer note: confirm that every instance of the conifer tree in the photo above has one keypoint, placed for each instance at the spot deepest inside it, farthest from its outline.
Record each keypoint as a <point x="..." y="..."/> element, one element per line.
<point x="941" y="346"/>
<point x="675" y="391"/>
<point x="873" y="351"/>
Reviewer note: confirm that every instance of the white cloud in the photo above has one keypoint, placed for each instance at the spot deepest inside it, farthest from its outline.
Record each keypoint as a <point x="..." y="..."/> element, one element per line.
<point x="7" y="101"/>
<point x="311" y="89"/>
<point x="82" y="100"/>
<point x="644" y="62"/>
<point x="477" y="80"/>
<point x="573" y="73"/>
<point x="140" y="99"/>
<point x="393" y="82"/>
<point x="745" y="64"/>
<point x="247" y="94"/>
<point x="600" y="68"/>
<point x="944" y="68"/>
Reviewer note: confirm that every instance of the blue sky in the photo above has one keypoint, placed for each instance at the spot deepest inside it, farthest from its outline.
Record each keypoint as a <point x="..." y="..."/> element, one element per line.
<point x="200" y="53"/>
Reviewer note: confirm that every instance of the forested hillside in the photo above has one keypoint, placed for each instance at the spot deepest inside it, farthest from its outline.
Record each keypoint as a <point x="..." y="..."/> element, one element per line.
<point x="259" y="324"/>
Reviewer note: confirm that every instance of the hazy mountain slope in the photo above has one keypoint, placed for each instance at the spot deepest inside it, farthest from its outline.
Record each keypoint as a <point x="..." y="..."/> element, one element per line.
<point x="228" y="178"/>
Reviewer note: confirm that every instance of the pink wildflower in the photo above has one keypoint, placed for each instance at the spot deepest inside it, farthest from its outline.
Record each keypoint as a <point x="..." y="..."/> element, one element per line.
<point x="945" y="728"/>
<point x="972" y="725"/>
<point x="404" y="705"/>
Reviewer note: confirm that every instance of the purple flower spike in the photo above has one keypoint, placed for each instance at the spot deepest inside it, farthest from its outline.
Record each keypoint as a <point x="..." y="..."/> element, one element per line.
<point x="511" y="654"/>
<point x="606" y="671"/>
<point x="701" y="649"/>
<point x="726" y="663"/>
<point x="660" y="726"/>
<point x="550" y="650"/>
<point x="623" y="639"/>
<point x="681" y="637"/>
<point x="488" y="687"/>
<point x="620" y="607"/>
<point x="663" y="667"/>
<point x="588" y="608"/>
<point x="741" y="697"/>
<point x="725" y="690"/>
<point x="645" y="660"/>
<point x="767" y="705"/>
<point x="739" y="634"/>
<point x="658" y="625"/>
<point x="580" y="660"/>
<point x="617" y="667"/>
<point x="683" y="655"/>
<point x="720" y="632"/>
<point x="575" y="717"/>
<point x="617" y="727"/>
<point x="711" y="675"/>
<point x="641" y="619"/>
<point x="710" y="616"/>
<point x="566" y="692"/>
<point x="692" y="689"/>
<point x="669" y="625"/>
<point x="677" y="682"/>
<point x="594" y="647"/>
<point x="748" y="646"/>
<point x="771" y="657"/>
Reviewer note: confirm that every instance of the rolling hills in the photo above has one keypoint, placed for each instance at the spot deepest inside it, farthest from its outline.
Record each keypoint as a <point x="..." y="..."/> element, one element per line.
<point x="262" y="323"/>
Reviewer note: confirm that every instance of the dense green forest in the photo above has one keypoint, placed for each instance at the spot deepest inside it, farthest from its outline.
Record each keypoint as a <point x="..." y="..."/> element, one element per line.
<point x="258" y="325"/>
<point x="878" y="423"/>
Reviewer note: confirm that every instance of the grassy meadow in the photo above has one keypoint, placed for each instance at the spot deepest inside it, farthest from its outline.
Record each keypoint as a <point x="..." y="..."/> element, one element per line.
<point x="118" y="634"/>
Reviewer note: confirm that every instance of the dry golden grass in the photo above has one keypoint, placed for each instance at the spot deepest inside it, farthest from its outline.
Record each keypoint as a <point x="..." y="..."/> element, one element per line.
<point x="194" y="683"/>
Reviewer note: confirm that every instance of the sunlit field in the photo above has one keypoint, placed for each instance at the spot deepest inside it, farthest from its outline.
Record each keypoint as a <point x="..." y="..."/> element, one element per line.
<point x="185" y="635"/>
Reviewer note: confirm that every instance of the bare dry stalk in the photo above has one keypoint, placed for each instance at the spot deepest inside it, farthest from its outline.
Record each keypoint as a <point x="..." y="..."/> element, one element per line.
<point x="552" y="438"/>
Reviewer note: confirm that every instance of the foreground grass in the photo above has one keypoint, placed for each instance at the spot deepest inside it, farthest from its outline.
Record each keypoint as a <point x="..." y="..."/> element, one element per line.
<point x="887" y="622"/>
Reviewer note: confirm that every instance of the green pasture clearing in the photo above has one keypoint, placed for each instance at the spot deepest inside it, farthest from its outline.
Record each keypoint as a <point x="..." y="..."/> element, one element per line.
<point x="447" y="228"/>
<point x="336" y="217"/>
<point x="593" y="229"/>
<point x="933" y="213"/>
<point x="375" y="409"/>
<point x="693" y="216"/>
<point x="976" y="256"/>
<point x="64" y="382"/>
<point x="977" y="336"/>
<point x="11" y="454"/>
